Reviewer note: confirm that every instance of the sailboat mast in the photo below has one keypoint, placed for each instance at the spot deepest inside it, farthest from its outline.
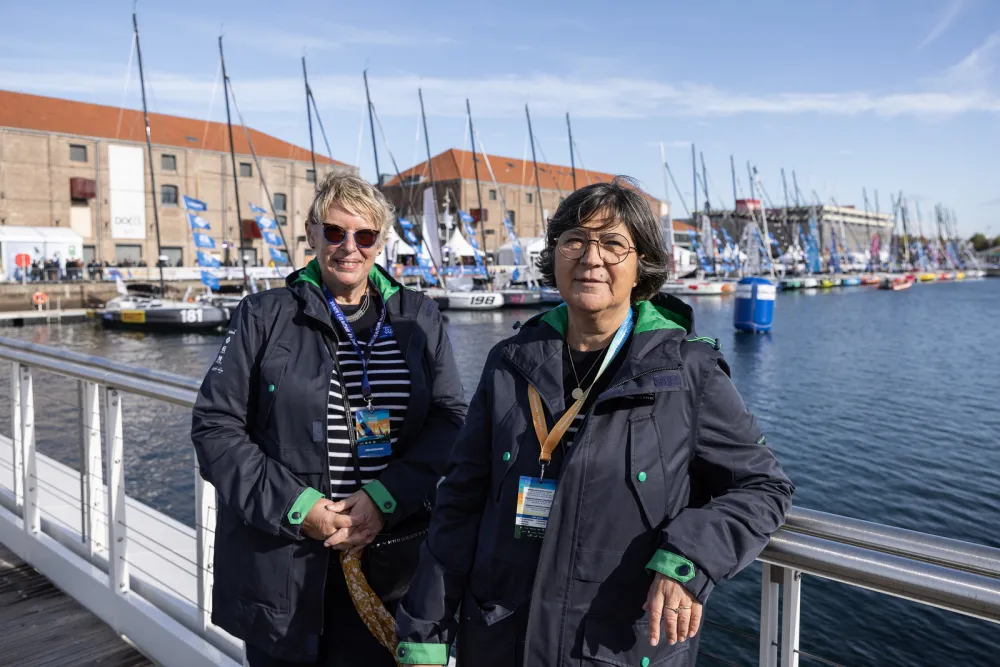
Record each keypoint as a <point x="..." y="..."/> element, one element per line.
<point x="149" y="151"/>
<point x="427" y="143"/>
<point x="232" y="157"/>
<point x="668" y="234"/>
<point x="704" y="182"/>
<point x="534" y="161"/>
<point x="572" y="160"/>
<point x="312" y="147"/>
<point x="371" y="124"/>
<point x="694" y="180"/>
<point x="475" y="167"/>
<point x="797" y="192"/>
<point x="732" y="170"/>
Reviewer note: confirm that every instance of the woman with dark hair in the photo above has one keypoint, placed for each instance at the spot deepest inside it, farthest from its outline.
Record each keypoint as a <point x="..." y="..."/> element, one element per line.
<point x="608" y="475"/>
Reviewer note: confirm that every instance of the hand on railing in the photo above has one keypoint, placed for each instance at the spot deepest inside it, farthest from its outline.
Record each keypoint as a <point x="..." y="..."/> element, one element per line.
<point x="323" y="521"/>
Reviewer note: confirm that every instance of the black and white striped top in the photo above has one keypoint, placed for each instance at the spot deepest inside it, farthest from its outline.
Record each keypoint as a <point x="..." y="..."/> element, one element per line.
<point x="390" y="382"/>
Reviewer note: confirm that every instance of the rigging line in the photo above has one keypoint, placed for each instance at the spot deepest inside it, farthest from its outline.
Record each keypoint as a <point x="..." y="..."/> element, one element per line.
<point x="211" y="107"/>
<point x="680" y="195"/>
<point x="128" y="79"/>
<point x="549" y="165"/>
<point x="319" y="121"/>
<point x="392" y="157"/>
<point x="263" y="183"/>
<point x="579" y="155"/>
<point x="489" y="167"/>
<point x="524" y="158"/>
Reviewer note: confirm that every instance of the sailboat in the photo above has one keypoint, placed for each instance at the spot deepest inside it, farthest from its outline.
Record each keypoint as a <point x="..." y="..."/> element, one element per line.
<point x="151" y="311"/>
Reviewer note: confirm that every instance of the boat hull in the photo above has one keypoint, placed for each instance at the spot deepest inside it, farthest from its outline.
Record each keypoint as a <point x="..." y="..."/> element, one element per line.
<point x="475" y="300"/>
<point x="521" y="298"/>
<point x="171" y="319"/>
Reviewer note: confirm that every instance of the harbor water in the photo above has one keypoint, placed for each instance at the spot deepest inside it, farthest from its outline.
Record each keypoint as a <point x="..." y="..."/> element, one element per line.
<point x="880" y="405"/>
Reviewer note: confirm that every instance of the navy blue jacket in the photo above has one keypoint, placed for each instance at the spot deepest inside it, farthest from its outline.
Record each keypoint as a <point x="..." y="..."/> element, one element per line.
<point x="260" y="433"/>
<point x="669" y="472"/>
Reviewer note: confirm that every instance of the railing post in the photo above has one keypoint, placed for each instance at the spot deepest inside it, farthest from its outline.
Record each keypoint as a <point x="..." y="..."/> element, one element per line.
<point x="92" y="469"/>
<point x="205" y="534"/>
<point x="768" y="616"/>
<point x="32" y="521"/>
<point x="15" y="435"/>
<point x="791" y="591"/>
<point x="118" y="576"/>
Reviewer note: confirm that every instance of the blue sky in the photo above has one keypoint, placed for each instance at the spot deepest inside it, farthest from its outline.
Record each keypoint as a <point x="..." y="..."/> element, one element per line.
<point x="889" y="95"/>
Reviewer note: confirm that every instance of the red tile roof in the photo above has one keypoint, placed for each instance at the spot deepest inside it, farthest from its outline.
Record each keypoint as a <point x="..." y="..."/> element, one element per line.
<point x="50" y="114"/>
<point x="455" y="164"/>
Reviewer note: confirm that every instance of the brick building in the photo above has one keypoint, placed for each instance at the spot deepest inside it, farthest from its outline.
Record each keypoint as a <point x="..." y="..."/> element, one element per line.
<point x="81" y="166"/>
<point x="455" y="182"/>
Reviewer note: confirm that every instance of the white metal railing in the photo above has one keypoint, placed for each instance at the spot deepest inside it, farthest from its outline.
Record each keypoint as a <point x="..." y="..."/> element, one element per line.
<point x="150" y="577"/>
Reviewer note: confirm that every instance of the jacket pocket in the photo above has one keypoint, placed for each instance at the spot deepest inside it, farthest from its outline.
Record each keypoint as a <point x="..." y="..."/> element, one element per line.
<point x="646" y="474"/>
<point x="491" y="634"/>
<point x="617" y="641"/>
<point x="272" y="372"/>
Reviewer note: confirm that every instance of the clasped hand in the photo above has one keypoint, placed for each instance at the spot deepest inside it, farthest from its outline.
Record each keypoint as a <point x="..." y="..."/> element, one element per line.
<point x="346" y="525"/>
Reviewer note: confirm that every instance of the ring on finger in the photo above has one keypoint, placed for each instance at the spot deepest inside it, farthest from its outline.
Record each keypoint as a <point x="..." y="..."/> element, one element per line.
<point x="684" y="607"/>
<point x="673" y="610"/>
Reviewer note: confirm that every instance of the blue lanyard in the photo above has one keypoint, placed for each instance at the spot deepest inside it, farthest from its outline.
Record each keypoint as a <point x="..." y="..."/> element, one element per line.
<point x="338" y="314"/>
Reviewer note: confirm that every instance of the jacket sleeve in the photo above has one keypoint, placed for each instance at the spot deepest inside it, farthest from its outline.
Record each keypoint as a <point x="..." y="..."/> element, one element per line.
<point x="402" y="487"/>
<point x="425" y="620"/>
<point x="261" y="491"/>
<point x="739" y="493"/>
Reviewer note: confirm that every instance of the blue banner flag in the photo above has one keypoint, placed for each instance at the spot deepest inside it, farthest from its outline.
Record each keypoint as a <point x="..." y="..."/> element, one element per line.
<point x="408" y="234"/>
<point x="198" y="222"/>
<point x="466" y="218"/>
<point x="265" y="222"/>
<point x="279" y="256"/>
<point x="257" y="209"/>
<point x="470" y="234"/>
<point x="192" y="204"/>
<point x="203" y="240"/>
<point x="204" y="259"/>
<point x="208" y="280"/>
<point x="271" y="238"/>
<point x="515" y="243"/>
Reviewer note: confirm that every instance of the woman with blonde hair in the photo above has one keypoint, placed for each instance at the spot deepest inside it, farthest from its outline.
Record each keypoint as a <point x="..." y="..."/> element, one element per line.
<point x="324" y="424"/>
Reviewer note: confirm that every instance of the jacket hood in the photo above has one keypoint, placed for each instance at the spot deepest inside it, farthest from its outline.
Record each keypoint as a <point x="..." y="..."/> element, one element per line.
<point x="311" y="274"/>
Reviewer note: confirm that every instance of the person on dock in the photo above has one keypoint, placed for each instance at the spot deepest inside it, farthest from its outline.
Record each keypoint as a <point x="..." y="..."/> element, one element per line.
<point x="324" y="424"/>
<point x="608" y="476"/>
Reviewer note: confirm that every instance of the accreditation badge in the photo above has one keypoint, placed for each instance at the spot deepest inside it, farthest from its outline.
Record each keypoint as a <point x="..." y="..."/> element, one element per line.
<point x="371" y="432"/>
<point x="534" y="502"/>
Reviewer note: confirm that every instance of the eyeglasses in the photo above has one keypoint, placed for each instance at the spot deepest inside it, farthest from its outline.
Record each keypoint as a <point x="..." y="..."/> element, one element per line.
<point x="363" y="238"/>
<point x="612" y="247"/>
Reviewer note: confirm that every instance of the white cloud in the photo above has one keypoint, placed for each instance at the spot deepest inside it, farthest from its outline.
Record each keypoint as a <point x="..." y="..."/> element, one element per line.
<point x="504" y="96"/>
<point x="975" y="70"/>
<point x="944" y="21"/>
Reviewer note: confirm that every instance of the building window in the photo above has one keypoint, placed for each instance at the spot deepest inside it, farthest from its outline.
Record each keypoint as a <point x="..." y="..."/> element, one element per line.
<point x="310" y="175"/>
<point x="175" y="256"/>
<point x="168" y="162"/>
<point x="128" y="254"/>
<point x="246" y="170"/>
<point x="282" y="220"/>
<point x="529" y="197"/>
<point x="168" y="195"/>
<point x="89" y="254"/>
<point x="493" y="195"/>
<point x="280" y="201"/>
<point x="77" y="153"/>
<point x="510" y="216"/>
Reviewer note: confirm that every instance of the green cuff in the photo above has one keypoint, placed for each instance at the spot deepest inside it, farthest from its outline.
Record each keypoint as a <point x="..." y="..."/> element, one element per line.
<point x="409" y="653"/>
<point x="302" y="505"/>
<point x="671" y="565"/>
<point x="377" y="492"/>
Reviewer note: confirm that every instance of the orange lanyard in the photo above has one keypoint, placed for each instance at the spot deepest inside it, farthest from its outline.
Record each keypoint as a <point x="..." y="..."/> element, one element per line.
<point x="550" y="439"/>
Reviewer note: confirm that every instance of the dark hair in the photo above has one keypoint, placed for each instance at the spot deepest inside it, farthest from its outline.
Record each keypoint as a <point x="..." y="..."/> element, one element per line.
<point x="621" y="200"/>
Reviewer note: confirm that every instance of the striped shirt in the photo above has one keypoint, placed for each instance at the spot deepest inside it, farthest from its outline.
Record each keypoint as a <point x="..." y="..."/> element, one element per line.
<point x="390" y="383"/>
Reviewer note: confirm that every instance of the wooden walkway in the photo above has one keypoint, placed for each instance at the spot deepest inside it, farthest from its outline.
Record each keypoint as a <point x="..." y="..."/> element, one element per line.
<point x="41" y="625"/>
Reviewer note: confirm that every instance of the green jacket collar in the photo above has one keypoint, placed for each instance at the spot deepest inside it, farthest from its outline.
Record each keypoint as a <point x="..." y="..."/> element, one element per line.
<point x="383" y="282"/>
<point x="654" y="315"/>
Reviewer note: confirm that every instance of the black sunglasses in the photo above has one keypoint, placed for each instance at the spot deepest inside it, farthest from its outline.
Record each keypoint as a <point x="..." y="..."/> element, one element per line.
<point x="363" y="238"/>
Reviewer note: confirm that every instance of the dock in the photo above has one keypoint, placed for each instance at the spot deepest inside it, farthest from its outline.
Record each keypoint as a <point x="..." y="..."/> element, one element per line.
<point x="20" y="318"/>
<point x="44" y="626"/>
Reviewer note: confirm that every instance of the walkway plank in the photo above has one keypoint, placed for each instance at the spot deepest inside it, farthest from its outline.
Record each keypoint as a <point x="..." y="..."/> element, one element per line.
<point x="40" y="626"/>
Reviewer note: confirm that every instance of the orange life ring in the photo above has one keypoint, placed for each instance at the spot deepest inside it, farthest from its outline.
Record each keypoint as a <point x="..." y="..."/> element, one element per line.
<point x="39" y="298"/>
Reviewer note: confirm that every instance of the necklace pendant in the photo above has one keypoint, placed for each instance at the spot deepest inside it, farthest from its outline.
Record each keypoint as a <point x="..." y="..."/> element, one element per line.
<point x="577" y="394"/>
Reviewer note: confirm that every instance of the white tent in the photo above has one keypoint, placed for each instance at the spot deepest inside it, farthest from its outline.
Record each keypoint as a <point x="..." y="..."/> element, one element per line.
<point x="398" y="246"/>
<point x="458" y="246"/>
<point x="40" y="243"/>
<point x="530" y="247"/>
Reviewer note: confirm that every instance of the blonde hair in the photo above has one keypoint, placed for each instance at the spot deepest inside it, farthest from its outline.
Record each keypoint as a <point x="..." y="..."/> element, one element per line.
<point x="355" y="195"/>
